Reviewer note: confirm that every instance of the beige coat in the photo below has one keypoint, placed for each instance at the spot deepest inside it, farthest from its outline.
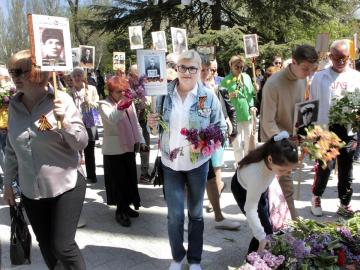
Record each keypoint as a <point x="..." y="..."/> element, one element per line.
<point x="110" y="116"/>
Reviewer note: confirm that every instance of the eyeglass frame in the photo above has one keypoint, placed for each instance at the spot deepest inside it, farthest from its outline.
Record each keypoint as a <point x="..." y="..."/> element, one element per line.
<point x="278" y="63"/>
<point x="185" y="69"/>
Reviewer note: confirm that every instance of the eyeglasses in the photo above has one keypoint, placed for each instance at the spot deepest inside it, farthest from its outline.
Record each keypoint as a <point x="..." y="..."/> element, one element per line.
<point x="340" y="60"/>
<point x="17" y="72"/>
<point x="191" y="69"/>
<point x="277" y="63"/>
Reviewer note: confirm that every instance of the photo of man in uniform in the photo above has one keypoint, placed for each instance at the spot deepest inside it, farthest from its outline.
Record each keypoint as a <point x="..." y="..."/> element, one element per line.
<point x="152" y="68"/>
<point x="52" y="47"/>
<point x="87" y="57"/>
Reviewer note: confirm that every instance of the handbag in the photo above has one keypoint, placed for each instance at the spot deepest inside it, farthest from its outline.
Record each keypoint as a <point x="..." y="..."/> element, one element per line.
<point x="157" y="174"/>
<point x="20" y="238"/>
<point x="91" y="118"/>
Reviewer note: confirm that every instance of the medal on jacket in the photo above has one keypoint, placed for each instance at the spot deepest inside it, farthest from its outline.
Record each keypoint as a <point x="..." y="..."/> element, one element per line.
<point x="44" y="123"/>
<point x="201" y="103"/>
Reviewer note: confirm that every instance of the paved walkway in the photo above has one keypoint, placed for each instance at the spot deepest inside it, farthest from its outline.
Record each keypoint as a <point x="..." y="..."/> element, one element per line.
<point x="144" y="246"/>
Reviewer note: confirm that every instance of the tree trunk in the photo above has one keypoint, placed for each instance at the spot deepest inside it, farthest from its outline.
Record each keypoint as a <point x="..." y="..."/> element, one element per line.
<point x="216" y="15"/>
<point x="74" y="7"/>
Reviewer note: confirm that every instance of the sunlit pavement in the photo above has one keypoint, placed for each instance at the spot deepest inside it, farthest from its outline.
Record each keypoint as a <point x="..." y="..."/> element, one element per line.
<point x="144" y="246"/>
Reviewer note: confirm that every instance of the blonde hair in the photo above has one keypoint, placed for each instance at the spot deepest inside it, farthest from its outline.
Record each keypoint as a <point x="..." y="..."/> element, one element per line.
<point x="236" y="58"/>
<point x="190" y="55"/>
<point x="22" y="60"/>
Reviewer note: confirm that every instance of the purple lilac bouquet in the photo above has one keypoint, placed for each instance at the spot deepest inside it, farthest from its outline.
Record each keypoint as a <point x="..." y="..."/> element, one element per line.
<point x="203" y="142"/>
<point x="308" y="244"/>
<point x="263" y="261"/>
<point x="138" y="91"/>
<point x="137" y="95"/>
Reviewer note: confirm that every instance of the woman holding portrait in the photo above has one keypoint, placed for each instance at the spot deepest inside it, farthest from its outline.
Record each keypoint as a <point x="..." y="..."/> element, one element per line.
<point x="188" y="104"/>
<point x="86" y="97"/>
<point x="241" y="93"/>
<point x="46" y="161"/>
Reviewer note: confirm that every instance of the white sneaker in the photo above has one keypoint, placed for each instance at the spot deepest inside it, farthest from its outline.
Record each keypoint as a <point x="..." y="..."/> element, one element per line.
<point x="195" y="267"/>
<point x="227" y="224"/>
<point x="316" y="206"/>
<point x="176" y="265"/>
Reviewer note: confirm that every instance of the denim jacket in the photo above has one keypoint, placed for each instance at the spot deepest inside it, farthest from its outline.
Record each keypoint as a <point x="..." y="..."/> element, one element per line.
<point x="201" y="116"/>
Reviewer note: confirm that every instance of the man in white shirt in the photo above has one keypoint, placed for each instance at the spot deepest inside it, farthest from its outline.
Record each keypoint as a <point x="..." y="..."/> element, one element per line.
<point x="328" y="84"/>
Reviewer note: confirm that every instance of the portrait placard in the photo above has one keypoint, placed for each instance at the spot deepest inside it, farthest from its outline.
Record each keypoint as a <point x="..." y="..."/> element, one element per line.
<point x="306" y="113"/>
<point x="152" y="64"/>
<point x="207" y="50"/>
<point x="119" y="61"/>
<point x="75" y="57"/>
<point x="251" y="47"/>
<point x="159" y="41"/>
<point x="50" y="42"/>
<point x="322" y="42"/>
<point x="135" y="37"/>
<point x="87" y="56"/>
<point x="179" y="40"/>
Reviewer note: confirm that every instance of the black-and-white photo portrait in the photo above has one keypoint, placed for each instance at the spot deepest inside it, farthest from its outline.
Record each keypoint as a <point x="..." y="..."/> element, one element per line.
<point x="50" y="42"/>
<point x="152" y="66"/>
<point x="87" y="57"/>
<point x="119" y="61"/>
<point x="75" y="57"/>
<point x="306" y="113"/>
<point x="179" y="40"/>
<point x="159" y="40"/>
<point x="52" y="47"/>
<point x="251" y="46"/>
<point x="135" y="37"/>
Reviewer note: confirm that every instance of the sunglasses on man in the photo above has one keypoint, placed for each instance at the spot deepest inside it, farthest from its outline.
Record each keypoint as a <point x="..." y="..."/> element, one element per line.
<point x="17" y="72"/>
<point x="340" y="60"/>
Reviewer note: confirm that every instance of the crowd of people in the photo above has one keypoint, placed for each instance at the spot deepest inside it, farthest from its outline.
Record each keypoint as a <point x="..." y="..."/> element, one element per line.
<point x="46" y="164"/>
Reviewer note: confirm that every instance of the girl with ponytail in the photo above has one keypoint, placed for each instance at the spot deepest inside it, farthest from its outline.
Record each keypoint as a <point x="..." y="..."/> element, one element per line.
<point x="254" y="175"/>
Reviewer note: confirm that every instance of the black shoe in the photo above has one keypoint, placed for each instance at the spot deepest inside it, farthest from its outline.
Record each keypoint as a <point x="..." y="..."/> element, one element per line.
<point x="131" y="213"/>
<point x="91" y="180"/>
<point x="123" y="219"/>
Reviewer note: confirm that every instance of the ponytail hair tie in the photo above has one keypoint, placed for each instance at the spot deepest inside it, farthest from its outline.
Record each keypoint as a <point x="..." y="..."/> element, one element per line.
<point x="282" y="135"/>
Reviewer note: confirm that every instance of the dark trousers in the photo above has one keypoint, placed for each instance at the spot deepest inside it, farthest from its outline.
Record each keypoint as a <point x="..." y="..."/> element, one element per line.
<point x="54" y="222"/>
<point x="263" y="209"/>
<point x="144" y="155"/>
<point x="345" y="176"/>
<point x="90" y="165"/>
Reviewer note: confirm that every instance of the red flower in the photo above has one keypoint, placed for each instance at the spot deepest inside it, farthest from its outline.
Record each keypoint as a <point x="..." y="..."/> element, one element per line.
<point x="341" y="257"/>
<point x="184" y="131"/>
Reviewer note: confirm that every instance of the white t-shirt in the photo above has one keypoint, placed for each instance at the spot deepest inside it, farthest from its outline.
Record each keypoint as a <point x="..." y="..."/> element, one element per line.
<point x="179" y="118"/>
<point x="255" y="178"/>
<point x="328" y="84"/>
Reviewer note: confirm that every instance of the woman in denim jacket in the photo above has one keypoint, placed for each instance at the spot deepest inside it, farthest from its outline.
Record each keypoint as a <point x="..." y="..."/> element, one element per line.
<point x="188" y="104"/>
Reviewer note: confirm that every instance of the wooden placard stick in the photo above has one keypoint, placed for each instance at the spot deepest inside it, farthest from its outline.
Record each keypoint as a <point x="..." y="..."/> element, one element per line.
<point x="254" y="73"/>
<point x="58" y="123"/>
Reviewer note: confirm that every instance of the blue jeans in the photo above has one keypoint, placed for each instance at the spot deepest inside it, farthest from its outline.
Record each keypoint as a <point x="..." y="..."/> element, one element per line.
<point x="174" y="185"/>
<point x="2" y="154"/>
